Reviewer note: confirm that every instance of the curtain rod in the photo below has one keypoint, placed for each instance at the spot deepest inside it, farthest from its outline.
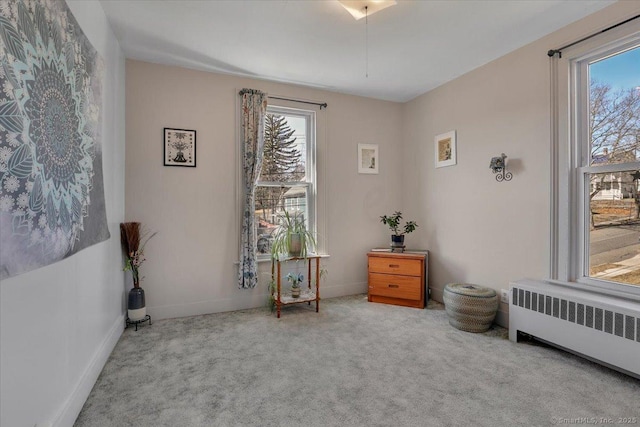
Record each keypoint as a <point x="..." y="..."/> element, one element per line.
<point x="552" y="52"/>
<point x="321" y="104"/>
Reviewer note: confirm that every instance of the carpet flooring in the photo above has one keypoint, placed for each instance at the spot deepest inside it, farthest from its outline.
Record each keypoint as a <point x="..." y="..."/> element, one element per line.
<point x="354" y="363"/>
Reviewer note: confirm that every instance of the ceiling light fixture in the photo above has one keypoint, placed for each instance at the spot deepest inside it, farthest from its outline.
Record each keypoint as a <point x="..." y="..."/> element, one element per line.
<point x="362" y="8"/>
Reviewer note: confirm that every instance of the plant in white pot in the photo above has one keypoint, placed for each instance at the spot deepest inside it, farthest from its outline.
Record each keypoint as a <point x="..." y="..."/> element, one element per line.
<point x="393" y="221"/>
<point x="295" y="279"/>
<point x="292" y="237"/>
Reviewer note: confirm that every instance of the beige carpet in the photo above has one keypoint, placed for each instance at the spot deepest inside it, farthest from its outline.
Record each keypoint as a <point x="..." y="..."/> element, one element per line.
<point x="353" y="364"/>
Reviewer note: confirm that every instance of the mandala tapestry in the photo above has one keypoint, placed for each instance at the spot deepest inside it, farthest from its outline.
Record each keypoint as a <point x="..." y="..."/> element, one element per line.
<point x="51" y="188"/>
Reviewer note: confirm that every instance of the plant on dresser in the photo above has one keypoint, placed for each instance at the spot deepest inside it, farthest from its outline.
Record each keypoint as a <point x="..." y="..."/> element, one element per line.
<point x="393" y="221"/>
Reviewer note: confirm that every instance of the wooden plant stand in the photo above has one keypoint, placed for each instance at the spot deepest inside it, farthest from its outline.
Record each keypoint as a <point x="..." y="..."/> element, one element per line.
<point x="306" y="294"/>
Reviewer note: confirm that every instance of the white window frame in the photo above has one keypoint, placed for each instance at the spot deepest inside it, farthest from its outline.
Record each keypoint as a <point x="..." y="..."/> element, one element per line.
<point x="310" y="165"/>
<point x="570" y="156"/>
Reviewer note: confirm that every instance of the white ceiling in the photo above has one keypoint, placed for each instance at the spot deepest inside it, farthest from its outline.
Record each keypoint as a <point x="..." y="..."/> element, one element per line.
<point x="414" y="46"/>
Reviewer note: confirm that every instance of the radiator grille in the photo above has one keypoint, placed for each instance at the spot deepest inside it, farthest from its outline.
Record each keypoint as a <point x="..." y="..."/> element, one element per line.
<point x="580" y="314"/>
<point x="589" y="315"/>
<point x="619" y="323"/>
<point x="597" y="321"/>
<point x="609" y="322"/>
<point x="572" y="312"/>
<point x="629" y="325"/>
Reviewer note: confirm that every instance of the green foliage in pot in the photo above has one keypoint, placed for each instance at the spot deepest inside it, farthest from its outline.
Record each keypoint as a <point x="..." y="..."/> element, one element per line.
<point x="393" y="221"/>
<point x="295" y="279"/>
<point x="292" y="228"/>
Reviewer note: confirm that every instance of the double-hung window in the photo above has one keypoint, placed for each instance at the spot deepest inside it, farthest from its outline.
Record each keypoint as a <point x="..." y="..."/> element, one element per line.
<point x="287" y="181"/>
<point x="596" y="183"/>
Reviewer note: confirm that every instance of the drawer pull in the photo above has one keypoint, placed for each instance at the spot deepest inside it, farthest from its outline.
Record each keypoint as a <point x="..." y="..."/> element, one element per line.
<point x="394" y="265"/>
<point x="391" y="285"/>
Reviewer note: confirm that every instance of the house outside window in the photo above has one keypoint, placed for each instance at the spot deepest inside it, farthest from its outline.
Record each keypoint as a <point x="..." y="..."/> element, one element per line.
<point x="596" y="177"/>
<point x="287" y="181"/>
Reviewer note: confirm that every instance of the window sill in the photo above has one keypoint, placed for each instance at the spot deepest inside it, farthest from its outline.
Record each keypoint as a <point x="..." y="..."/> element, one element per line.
<point x="628" y="292"/>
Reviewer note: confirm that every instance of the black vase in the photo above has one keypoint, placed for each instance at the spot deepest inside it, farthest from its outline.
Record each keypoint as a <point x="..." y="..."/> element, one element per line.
<point x="137" y="309"/>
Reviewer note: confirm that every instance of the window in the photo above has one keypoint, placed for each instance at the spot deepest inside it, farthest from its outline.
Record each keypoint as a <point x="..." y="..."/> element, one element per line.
<point x="610" y="166"/>
<point x="596" y="165"/>
<point x="287" y="178"/>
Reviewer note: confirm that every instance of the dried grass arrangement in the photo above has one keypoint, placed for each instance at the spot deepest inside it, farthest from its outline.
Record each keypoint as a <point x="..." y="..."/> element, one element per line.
<point x="134" y="239"/>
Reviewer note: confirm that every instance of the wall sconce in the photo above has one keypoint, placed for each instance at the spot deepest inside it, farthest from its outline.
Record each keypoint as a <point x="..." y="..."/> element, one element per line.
<point x="499" y="166"/>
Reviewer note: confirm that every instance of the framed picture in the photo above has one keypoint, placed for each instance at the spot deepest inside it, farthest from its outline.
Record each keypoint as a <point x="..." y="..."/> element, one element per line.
<point x="179" y="147"/>
<point x="446" y="149"/>
<point x="368" y="158"/>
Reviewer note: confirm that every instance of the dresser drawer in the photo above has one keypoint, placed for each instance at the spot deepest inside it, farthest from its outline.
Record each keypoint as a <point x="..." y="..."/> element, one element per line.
<point x="407" y="267"/>
<point x="395" y="286"/>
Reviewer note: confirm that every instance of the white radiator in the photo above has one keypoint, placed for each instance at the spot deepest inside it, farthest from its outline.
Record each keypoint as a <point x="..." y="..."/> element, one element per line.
<point x="603" y="328"/>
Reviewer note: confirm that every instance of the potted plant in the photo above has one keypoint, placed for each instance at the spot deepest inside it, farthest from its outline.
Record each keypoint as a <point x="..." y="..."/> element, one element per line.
<point x="295" y="279"/>
<point x="292" y="237"/>
<point x="393" y="221"/>
<point x="134" y="239"/>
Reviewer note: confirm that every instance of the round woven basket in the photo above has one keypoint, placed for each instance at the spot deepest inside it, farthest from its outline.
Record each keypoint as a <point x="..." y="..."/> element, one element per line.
<point x="470" y="308"/>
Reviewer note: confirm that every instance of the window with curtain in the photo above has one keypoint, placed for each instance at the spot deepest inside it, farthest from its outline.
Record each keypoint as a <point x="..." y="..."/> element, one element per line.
<point x="288" y="175"/>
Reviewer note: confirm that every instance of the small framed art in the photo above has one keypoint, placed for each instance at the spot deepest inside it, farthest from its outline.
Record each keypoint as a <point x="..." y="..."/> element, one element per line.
<point x="368" y="158"/>
<point x="446" y="149"/>
<point x="179" y="147"/>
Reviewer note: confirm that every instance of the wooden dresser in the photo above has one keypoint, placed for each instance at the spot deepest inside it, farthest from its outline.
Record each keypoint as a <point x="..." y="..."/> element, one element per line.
<point x="398" y="278"/>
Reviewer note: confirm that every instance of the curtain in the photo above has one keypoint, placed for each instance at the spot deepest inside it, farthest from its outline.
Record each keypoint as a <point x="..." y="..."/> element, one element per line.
<point x="254" y="107"/>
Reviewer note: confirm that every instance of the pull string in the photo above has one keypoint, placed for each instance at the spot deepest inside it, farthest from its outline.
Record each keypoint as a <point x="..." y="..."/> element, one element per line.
<point x="366" y="40"/>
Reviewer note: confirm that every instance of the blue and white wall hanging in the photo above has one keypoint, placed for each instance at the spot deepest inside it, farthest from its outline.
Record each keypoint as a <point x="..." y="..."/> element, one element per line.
<point x="51" y="187"/>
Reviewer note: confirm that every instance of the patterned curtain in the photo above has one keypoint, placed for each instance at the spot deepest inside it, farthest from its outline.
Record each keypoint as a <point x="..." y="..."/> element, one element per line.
<point x="254" y="107"/>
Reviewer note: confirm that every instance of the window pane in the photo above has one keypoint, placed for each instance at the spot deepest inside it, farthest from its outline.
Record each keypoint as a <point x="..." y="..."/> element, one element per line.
<point x="271" y="203"/>
<point x="614" y="108"/>
<point x="285" y="148"/>
<point x="614" y="230"/>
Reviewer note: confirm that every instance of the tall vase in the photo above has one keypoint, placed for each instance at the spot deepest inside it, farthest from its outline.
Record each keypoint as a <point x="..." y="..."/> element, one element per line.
<point x="137" y="309"/>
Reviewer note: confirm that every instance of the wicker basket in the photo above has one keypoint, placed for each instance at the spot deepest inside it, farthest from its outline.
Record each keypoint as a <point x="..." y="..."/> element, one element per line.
<point x="470" y="308"/>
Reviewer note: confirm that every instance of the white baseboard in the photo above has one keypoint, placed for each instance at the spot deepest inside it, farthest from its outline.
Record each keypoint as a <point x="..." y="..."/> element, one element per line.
<point x="436" y="295"/>
<point x="220" y="305"/>
<point x="73" y="405"/>
<point x="343" y="290"/>
<point x="251" y="300"/>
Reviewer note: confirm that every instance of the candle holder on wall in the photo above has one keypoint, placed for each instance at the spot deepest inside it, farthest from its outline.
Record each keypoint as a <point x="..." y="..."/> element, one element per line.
<point x="499" y="167"/>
